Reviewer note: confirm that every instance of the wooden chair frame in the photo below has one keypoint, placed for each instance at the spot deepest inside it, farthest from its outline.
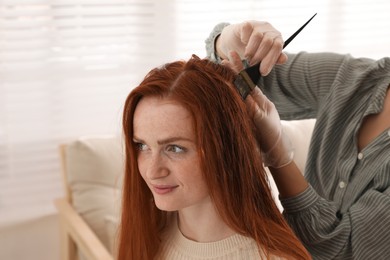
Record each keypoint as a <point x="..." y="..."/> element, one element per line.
<point x="75" y="232"/>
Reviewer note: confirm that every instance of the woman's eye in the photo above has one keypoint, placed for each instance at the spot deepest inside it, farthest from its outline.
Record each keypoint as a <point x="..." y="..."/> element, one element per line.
<point x="175" y="149"/>
<point x="140" y="146"/>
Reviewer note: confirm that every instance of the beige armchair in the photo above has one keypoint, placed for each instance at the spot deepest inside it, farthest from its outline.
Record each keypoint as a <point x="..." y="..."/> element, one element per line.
<point x="93" y="170"/>
<point x="92" y="173"/>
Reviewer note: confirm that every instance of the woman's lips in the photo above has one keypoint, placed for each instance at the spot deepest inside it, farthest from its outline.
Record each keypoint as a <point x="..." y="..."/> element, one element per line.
<point x="163" y="189"/>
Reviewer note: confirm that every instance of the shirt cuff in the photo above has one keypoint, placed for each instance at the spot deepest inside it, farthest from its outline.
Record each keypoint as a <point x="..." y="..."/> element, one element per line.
<point x="210" y="42"/>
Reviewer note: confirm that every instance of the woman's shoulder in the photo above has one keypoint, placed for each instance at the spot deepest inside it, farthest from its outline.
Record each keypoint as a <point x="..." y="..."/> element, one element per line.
<point x="238" y="247"/>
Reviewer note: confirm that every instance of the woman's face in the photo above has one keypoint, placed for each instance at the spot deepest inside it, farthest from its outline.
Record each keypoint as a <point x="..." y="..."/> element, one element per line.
<point x="167" y="154"/>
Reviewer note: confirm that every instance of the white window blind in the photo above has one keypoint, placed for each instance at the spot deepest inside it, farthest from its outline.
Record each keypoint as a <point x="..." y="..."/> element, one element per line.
<point x="66" y="67"/>
<point x="358" y="27"/>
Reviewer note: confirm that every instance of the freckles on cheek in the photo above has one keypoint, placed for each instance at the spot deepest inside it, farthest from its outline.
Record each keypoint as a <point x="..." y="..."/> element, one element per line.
<point x="141" y="168"/>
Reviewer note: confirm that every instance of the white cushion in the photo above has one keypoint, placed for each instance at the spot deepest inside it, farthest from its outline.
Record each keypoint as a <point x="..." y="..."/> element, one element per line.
<point x="299" y="132"/>
<point x="94" y="170"/>
<point x="111" y="225"/>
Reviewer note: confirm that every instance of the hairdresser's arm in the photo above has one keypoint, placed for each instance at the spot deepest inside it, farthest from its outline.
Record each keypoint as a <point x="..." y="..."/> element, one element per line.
<point x="289" y="180"/>
<point x="297" y="87"/>
<point x="254" y="41"/>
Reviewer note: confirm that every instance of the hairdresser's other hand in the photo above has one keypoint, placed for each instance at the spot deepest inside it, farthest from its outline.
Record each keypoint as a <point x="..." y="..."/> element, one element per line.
<point x="276" y="148"/>
<point x="255" y="41"/>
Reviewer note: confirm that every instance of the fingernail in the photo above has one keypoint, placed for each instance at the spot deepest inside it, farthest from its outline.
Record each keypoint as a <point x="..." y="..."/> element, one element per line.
<point x="247" y="61"/>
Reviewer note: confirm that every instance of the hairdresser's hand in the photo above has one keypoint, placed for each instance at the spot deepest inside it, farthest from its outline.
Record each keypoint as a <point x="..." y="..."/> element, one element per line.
<point x="255" y="41"/>
<point x="276" y="148"/>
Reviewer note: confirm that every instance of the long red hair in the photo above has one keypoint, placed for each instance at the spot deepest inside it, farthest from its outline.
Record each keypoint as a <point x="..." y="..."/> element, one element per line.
<point x="229" y="157"/>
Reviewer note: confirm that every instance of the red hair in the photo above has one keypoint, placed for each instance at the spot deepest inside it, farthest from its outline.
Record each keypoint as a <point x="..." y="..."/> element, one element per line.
<point x="229" y="156"/>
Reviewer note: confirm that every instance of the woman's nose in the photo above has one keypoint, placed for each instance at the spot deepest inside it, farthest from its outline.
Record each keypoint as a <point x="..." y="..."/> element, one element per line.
<point x="157" y="167"/>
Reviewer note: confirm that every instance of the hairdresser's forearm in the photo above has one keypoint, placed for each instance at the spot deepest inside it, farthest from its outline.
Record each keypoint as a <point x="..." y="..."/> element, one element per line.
<point x="289" y="180"/>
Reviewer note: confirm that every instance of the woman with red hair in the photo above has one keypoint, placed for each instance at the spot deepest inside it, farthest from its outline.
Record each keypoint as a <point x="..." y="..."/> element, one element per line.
<point x="195" y="186"/>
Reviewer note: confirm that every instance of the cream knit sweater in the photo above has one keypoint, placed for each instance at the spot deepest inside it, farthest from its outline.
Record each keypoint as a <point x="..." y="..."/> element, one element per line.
<point x="178" y="247"/>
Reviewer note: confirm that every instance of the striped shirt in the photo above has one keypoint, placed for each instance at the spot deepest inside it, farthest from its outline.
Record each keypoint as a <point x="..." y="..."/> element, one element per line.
<point x="345" y="212"/>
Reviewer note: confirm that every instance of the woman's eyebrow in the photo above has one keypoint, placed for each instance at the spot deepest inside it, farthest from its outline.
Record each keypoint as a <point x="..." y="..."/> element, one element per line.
<point x="165" y="141"/>
<point x="173" y="139"/>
